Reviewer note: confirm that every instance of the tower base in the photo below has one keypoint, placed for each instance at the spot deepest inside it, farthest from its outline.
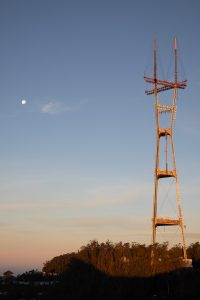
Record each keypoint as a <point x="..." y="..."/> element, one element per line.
<point x="187" y="262"/>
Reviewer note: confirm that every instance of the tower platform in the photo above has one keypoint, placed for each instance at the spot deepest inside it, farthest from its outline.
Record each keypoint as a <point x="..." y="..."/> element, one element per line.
<point x="166" y="222"/>
<point x="165" y="173"/>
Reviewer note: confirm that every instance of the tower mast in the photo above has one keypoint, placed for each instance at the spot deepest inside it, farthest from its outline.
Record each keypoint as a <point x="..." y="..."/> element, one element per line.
<point x="157" y="141"/>
<point x="166" y="134"/>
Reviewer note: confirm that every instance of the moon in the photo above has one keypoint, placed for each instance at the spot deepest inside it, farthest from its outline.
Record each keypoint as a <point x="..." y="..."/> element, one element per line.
<point x="23" y="101"/>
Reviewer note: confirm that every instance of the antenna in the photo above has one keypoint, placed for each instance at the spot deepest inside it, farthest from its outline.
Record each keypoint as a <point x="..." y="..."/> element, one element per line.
<point x="168" y="134"/>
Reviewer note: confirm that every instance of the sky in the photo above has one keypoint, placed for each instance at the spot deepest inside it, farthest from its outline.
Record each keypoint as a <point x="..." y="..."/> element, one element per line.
<point x="77" y="160"/>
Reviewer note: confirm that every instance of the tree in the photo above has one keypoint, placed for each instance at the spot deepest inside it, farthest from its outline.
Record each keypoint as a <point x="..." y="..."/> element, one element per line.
<point x="8" y="275"/>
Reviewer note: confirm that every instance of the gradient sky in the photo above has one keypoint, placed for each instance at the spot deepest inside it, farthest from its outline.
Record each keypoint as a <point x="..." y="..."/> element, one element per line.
<point x="77" y="161"/>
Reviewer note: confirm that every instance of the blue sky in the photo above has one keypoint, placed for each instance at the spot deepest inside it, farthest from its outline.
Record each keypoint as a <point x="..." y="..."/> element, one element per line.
<point x="77" y="161"/>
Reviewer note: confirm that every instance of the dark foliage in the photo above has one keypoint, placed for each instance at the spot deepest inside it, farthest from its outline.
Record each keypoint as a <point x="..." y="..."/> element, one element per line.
<point x="194" y="253"/>
<point x="31" y="276"/>
<point x="81" y="281"/>
<point x="112" y="271"/>
<point x="125" y="271"/>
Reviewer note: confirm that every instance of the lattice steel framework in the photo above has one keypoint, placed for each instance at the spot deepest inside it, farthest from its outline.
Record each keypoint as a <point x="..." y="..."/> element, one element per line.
<point x="167" y="136"/>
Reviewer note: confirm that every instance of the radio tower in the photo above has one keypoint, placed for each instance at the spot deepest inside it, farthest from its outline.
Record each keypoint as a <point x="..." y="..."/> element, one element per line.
<point x="167" y="137"/>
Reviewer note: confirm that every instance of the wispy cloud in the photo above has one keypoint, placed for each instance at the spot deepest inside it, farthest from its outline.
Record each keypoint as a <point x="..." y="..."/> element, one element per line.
<point x="110" y="195"/>
<point x="57" y="107"/>
<point x="54" y="107"/>
<point x="103" y="221"/>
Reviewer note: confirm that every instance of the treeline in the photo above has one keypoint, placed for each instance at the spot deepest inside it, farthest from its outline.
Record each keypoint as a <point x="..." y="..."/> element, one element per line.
<point x="125" y="259"/>
<point x="106" y="271"/>
<point x="125" y="271"/>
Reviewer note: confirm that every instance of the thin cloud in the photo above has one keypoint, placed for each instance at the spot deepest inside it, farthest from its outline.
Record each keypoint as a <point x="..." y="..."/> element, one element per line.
<point x="117" y="194"/>
<point x="98" y="222"/>
<point x="57" y="107"/>
<point x="193" y="235"/>
<point x="53" y="107"/>
<point x="104" y="221"/>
